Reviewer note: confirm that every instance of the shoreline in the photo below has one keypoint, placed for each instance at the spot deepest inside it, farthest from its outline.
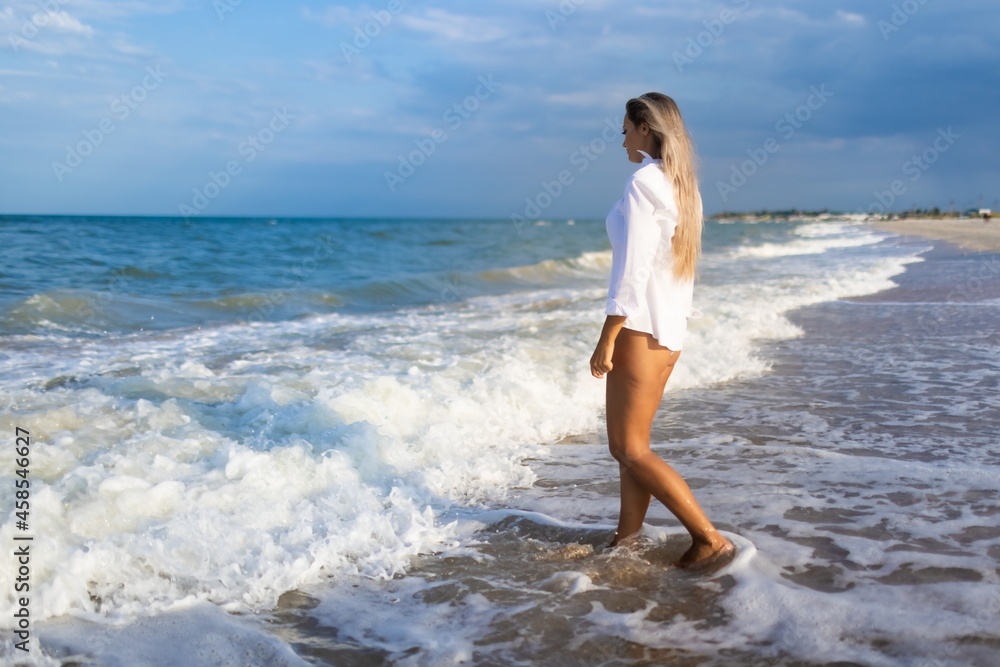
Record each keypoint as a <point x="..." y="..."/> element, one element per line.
<point x="968" y="234"/>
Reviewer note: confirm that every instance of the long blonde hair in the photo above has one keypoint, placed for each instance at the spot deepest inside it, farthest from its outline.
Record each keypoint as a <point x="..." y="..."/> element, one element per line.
<point x="674" y="146"/>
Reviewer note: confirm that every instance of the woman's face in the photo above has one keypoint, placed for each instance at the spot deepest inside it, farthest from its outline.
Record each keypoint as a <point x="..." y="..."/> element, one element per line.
<point x="637" y="139"/>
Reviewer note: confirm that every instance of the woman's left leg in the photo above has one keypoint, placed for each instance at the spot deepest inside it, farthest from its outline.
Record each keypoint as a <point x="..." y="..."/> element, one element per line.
<point x="634" y="505"/>
<point x="634" y="391"/>
<point x="635" y="498"/>
<point x="655" y="371"/>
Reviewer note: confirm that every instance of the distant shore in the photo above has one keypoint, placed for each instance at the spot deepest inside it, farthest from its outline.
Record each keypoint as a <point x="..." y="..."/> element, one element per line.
<point x="971" y="234"/>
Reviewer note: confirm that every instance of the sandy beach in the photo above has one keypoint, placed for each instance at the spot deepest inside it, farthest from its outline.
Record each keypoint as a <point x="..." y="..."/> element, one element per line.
<point x="969" y="234"/>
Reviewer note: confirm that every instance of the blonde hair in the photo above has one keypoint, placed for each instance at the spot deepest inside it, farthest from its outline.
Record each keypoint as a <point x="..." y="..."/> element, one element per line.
<point x="674" y="146"/>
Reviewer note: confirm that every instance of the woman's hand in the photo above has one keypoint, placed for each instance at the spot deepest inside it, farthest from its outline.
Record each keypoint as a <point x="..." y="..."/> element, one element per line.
<point x="600" y="361"/>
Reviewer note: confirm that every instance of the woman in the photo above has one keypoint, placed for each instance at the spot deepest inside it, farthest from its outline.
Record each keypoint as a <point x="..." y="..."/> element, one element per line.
<point x="655" y="233"/>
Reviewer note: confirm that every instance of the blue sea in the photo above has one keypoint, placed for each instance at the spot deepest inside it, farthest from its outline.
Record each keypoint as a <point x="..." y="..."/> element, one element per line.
<point x="377" y="442"/>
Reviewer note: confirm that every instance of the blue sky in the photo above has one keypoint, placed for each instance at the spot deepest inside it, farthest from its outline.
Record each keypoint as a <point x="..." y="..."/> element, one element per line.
<point x="489" y="109"/>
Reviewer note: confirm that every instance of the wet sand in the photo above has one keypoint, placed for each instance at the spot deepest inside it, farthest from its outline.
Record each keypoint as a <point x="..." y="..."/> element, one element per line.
<point x="969" y="234"/>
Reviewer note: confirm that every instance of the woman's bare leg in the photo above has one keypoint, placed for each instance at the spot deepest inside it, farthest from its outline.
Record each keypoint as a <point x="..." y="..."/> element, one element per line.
<point x="634" y="390"/>
<point x="634" y="496"/>
<point x="634" y="504"/>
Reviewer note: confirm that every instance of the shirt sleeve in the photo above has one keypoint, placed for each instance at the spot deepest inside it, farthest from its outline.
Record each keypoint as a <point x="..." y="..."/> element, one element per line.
<point x="632" y="261"/>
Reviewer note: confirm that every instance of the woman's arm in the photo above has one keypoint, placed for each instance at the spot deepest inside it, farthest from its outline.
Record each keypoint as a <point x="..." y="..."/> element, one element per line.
<point x="600" y="361"/>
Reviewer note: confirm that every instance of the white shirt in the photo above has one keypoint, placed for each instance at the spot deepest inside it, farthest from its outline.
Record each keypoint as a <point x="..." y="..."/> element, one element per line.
<point x="642" y="286"/>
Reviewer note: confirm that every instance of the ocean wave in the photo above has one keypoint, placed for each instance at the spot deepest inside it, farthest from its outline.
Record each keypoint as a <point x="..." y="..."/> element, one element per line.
<point x="811" y="246"/>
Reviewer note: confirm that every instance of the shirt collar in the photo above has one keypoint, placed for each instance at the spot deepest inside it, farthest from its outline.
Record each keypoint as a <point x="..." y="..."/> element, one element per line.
<point x="648" y="158"/>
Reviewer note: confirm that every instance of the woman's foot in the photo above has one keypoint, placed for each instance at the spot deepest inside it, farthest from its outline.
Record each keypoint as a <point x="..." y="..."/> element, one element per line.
<point x="629" y="543"/>
<point x="702" y="554"/>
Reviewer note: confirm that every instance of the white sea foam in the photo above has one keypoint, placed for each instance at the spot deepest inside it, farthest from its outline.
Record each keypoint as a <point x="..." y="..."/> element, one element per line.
<point x="197" y="635"/>
<point x="810" y="246"/>
<point x="826" y="228"/>
<point x="178" y="471"/>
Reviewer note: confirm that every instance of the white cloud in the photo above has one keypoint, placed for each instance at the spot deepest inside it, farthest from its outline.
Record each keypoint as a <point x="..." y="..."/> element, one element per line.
<point x="121" y="44"/>
<point x="51" y="32"/>
<point x="23" y="20"/>
<point x="454" y="27"/>
<point x="57" y="33"/>
<point x="852" y="18"/>
<point x="62" y="22"/>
